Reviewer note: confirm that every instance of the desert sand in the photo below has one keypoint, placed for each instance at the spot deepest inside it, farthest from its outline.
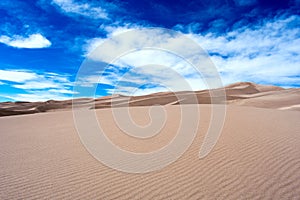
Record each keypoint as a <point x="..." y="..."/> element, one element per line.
<point x="256" y="157"/>
<point x="242" y="93"/>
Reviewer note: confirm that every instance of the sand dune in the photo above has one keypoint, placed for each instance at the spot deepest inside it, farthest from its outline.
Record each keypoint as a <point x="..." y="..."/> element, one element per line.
<point x="243" y="93"/>
<point x="41" y="157"/>
<point x="256" y="157"/>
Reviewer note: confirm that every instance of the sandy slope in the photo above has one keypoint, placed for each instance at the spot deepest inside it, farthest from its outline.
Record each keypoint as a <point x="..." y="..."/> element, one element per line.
<point x="243" y="93"/>
<point x="256" y="157"/>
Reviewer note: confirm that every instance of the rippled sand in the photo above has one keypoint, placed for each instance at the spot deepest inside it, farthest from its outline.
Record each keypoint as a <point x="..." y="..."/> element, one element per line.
<point x="256" y="157"/>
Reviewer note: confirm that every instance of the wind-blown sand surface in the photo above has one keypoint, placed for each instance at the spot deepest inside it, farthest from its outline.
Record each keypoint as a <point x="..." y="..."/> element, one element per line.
<point x="256" y="157"/>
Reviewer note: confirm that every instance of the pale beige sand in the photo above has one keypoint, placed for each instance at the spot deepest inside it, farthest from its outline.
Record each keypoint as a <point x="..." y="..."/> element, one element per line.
<point x="256" y="157"/>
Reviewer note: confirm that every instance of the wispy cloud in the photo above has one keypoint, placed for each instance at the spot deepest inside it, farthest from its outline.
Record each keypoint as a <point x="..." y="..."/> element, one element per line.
<point x="151" y="69"/>
<point x="84" y="9"/>
<point x="31" y="42"/>
<point x="35" y="86"/>
<point x="111" y="31"/>
<point x="261" y="52"/>
<point x="38" y="85"/>
<point x="36" y="96"/>
<point x="17" y="75"/>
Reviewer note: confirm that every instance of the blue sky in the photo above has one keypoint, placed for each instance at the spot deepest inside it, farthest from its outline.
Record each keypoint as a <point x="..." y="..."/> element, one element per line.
<point x="44" y="42"/>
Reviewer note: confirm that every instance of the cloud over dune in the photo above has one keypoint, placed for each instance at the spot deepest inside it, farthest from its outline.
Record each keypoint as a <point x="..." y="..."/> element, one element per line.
<point x="36" y="86"/>
<point x="259" y="52"/>
<point x="247" y="40"/>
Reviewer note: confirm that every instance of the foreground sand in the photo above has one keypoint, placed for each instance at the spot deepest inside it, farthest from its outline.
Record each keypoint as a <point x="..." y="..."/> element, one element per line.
<point x="256" y="157"/>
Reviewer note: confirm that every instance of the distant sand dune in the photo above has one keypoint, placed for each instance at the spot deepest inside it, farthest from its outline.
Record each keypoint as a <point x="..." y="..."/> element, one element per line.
<point x="243" y="93"/>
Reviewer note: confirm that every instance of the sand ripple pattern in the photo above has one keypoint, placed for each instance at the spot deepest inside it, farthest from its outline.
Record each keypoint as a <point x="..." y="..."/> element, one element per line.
<point x="256" y="157"/>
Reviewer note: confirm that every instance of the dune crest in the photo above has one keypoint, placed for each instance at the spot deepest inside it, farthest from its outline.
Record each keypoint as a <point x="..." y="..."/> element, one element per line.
<point x="241" y="93"/>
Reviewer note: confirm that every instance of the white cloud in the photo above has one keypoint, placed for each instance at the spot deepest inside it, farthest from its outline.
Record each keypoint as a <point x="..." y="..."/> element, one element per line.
<point x="62" y="91"/>
<point x="114" y="30"/>
<point x="157" y="38"/>
<point x="17" y="75"/>
<point x="26" y="79"/>
<point x="92" y="44"/>
<point x="89" y="81"/>
<point x="141" y="68"/>
<point x="166" y="63"/>
<point x="30" y="42"/>
<point x="36" y="86"/>
<point x="153" y="71"/>
<point x="135" y="91"/>
<point x="267" y="53"/>
<point x="111" y="31"/>
<point x="37" y="96"/>
<point x="84" y="9"/>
